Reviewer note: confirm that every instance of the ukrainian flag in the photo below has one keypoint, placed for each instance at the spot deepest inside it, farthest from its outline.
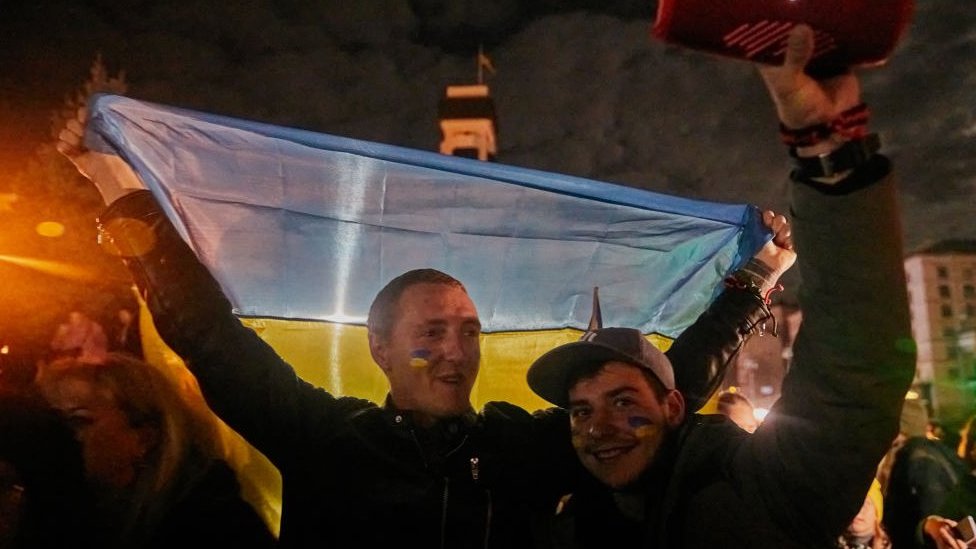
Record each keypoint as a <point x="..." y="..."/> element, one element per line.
<point x="302" y="229"/>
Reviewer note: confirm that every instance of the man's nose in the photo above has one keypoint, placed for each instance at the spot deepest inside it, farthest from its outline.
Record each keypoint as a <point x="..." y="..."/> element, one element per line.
<point x="601" y="424"/>
<point x="453" y="347"/>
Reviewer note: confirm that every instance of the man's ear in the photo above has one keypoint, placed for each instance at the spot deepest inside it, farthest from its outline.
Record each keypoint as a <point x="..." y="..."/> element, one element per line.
<point x="378" y="350"/>
<point x="674" y="404"/>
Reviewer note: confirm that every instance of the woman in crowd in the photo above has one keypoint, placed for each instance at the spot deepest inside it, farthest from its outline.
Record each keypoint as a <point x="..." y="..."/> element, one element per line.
<point x="44" y="498"/>
<point x="152" y="459"/>
<point x="866" y="531"/>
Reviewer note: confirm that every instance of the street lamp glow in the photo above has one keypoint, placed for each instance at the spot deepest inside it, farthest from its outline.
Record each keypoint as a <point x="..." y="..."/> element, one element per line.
<point x="50" y="229"/>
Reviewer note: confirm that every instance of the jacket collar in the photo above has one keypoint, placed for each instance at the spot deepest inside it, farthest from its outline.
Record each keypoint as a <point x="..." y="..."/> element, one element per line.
<point x="450" y="426"/>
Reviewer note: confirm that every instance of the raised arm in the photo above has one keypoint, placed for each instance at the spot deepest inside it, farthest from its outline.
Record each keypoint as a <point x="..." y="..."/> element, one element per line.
<point x="701" y="355"/>
<point x="245" y="382"/>
<point x="853" y="357"/>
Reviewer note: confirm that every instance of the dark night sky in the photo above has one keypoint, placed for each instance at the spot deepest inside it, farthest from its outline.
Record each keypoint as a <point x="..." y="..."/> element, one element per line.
<point x="581" y="88"/>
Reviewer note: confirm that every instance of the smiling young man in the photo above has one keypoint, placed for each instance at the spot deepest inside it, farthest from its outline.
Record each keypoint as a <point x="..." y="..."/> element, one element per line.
<point x="620" y="393"/>
<point x="665" y="479"/>
<point x="424" y="334"/>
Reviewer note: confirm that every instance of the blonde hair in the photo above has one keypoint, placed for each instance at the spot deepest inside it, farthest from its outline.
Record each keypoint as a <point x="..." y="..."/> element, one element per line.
<point x="186" y="439"/>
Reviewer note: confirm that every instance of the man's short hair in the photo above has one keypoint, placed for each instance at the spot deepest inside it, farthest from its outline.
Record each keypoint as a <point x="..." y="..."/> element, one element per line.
<point x="382" y="311"/>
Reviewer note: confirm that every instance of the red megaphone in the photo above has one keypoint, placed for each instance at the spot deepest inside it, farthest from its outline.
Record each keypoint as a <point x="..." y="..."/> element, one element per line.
<point x="847" y="33"/>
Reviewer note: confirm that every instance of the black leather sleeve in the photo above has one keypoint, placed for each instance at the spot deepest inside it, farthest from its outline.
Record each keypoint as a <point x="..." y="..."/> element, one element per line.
<point x="701" y="355"/>
<point x="242" y="377"/>
<point x="166" y="271"/>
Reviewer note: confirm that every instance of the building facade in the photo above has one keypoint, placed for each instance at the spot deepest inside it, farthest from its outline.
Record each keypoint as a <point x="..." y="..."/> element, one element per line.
<point x="758" y="369"/>
<point x="942" y="296"/>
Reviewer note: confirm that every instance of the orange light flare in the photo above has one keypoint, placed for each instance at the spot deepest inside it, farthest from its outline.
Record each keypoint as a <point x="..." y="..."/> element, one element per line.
<point x="55" y="268"/>
<point x="50" y="229"/>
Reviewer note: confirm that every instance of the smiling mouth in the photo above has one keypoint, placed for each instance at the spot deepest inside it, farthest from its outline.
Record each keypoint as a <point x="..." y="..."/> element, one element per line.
<point x="609" y="454"/>
<point x="451" y="379"/>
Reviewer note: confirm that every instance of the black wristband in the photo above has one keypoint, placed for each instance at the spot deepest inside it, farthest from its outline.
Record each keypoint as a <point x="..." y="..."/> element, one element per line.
<point x="754" y="274"/>
<point x="848" y="156"/>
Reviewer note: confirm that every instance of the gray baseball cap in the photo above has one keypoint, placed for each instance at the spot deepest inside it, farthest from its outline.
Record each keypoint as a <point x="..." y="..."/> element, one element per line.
<point x="549" y="375"/>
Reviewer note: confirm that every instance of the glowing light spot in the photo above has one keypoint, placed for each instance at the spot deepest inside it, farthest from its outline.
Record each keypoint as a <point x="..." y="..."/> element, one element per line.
<point x="138" y="238"/>
<point x="56" y="268"/>
<point x="760" y="414"/>
<point x="419" y="358"/>
<point x="5" y="350"/>
<point x="50" y="229"/>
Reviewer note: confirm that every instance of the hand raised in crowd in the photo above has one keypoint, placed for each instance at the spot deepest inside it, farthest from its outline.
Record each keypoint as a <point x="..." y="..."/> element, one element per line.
<point x="942" y="532"/>
<point x="801" y="100"/>
<point x="777" y="254"/>
<point x="111" y="175"/>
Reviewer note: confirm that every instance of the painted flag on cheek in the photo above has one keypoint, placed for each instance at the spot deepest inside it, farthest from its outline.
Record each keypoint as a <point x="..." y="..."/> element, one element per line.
<point x="302" y="229"/>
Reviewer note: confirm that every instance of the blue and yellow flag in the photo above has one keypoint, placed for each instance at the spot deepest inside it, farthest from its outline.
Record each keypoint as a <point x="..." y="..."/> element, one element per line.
<point x="302" y="229"/>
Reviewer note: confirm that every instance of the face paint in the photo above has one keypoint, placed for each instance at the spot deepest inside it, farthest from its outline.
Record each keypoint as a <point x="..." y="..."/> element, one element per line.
<point x="418" y="358"/>
<point x="579" y="441"/>
<point x="642" y="426"/>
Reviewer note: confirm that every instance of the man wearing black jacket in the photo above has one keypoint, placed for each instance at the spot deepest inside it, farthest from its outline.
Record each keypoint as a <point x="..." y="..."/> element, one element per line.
<point x="664" y="479"/>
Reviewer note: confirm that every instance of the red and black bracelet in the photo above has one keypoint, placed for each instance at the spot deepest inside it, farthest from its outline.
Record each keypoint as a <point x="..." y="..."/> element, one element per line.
<point x="851" y="124"/>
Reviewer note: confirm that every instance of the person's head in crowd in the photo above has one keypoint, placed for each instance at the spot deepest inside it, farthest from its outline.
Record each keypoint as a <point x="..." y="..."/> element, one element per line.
<point x="865" y="530"/>
<point x="620" y="393"/>
<point x="914" y="421"/>
<point x="739" y="409"/>
<point x="139" y="436"/>
<point x="125" y="316"/>
<point x="967" y="443"/>
<point x="44" y="497"/>
<point x="424" y="334"/>
<point x="935" y="431"/>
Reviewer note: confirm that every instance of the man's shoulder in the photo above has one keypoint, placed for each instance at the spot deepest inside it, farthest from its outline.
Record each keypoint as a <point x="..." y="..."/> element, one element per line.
<point x="921" y="449"/>
<point x="506" y="412"/>
<point x="499" y="410"/>
<point x="713" y="424"/>
<point x="508" y="423"/>
<point x="709" y="436"/>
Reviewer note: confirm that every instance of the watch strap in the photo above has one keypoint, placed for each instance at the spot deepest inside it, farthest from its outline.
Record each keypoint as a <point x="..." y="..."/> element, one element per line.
<point x="848" y="156"/>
